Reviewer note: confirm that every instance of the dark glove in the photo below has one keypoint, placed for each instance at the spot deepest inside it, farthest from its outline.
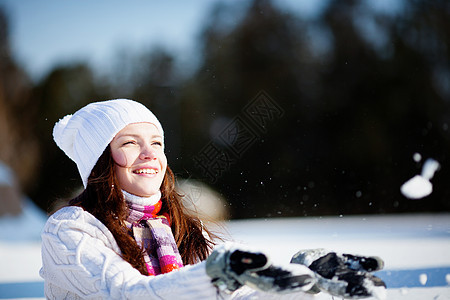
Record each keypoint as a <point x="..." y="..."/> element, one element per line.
<point x="230" y="267"/>
<point x="343" y="275"/>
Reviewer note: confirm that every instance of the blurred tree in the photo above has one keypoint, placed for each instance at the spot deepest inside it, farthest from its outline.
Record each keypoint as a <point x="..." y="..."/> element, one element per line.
<point x="63" y="91"/>
<point x="353" y="116"/>
<point x="384" y="107"/>
<point x="19" y="147"/>
<point x="267" y="50"/>
<point x="357" y="92"/>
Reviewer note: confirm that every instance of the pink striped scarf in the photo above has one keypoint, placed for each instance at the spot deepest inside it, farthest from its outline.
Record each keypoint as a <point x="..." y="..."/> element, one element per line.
<point x="153" y="232"/>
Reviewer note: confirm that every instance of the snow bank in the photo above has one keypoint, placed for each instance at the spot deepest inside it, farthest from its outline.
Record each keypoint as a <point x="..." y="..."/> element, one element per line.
<point x="24" y="227"/>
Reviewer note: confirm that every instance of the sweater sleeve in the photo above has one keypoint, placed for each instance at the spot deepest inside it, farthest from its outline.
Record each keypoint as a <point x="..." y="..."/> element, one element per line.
<point x="81" y="259"/>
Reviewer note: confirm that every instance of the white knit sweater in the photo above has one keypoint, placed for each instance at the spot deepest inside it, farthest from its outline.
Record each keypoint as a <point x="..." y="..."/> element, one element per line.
<point x="81" y="261"/>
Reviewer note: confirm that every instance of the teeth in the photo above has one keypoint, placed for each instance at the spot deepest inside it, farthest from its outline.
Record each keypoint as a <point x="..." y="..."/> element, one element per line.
<point x="145" y="171"/>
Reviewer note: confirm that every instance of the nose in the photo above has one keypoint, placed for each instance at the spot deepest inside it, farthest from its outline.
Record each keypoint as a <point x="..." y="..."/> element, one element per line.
<point x="147" y="154"/>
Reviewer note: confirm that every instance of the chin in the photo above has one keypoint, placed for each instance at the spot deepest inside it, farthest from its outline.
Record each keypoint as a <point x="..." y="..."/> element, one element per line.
<point x="146" y="193"/>
<point x="141" y="192"/>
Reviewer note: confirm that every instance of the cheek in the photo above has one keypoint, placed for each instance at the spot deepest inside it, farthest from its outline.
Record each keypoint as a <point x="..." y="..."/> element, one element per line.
<point x="164" y="162"/>
<point x="120" y="157"/>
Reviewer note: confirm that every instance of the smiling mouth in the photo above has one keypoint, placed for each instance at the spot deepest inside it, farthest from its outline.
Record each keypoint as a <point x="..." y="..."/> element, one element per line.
<point x="145" y="171"/>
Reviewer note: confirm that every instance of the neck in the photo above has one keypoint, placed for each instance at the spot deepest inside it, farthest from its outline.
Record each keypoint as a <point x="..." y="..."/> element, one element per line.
<point x="151" y="200"/>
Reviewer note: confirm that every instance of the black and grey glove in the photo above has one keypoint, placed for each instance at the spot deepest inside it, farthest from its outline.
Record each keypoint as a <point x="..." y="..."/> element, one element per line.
<point x="232" y="266"/>
<point x="343" y="275"/>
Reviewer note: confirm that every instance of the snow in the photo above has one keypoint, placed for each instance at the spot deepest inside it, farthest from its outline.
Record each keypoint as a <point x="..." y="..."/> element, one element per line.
<point x="423" y="278"/>
<point x="417" y="157"/>
<point x="429" y="168"/>
<point x="6" y="175"/>
<point x="417" y="187"/>
<point x="25" y="227"/>
<point x="20" y="244"/>
<point x="410" y="245"/>
<point x="20" y="262"/>
<point x="420" y="186"/>
<point x="403" y="241"/>
<point x="378" y="292"/>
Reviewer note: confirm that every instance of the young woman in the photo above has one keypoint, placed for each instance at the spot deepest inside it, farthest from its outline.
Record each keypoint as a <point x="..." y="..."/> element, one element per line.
<point x="128" y="236"/>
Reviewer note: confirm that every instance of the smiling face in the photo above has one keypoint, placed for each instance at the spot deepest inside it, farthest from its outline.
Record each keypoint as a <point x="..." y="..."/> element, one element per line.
<point x="140" y="161"/>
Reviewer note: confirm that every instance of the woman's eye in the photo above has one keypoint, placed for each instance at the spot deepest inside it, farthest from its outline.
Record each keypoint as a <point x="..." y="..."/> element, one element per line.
<point x="157" y="143"/>
<point x="129" y="143"/>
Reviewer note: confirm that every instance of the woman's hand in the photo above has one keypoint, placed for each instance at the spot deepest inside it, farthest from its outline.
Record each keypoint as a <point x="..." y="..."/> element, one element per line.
<point x="232" y="266"/>
<point x="343" y="275"/>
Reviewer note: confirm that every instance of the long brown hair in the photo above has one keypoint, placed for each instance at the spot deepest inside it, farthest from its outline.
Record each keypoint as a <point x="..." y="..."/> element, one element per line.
<point x="103" y="198"/>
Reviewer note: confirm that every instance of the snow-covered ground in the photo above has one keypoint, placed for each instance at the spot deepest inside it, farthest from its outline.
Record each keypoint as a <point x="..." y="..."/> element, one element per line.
<point x="416" y="248"/>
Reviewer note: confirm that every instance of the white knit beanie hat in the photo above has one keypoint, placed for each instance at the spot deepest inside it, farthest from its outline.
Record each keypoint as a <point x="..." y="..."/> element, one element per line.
<point x="84" y="135"/>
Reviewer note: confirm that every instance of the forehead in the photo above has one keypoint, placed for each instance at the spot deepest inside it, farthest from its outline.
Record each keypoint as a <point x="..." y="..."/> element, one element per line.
<point x="139" y="129"/>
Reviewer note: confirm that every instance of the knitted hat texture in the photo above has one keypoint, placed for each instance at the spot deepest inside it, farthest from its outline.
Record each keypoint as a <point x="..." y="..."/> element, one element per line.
<point x="84" y="135"/>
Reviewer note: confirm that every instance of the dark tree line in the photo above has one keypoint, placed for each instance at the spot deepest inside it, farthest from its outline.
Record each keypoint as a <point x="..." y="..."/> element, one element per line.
<point x="354" y="94"/>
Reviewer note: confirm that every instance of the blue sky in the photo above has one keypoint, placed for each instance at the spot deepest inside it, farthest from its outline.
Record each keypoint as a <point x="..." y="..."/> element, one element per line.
<point x="48" y="32"/>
